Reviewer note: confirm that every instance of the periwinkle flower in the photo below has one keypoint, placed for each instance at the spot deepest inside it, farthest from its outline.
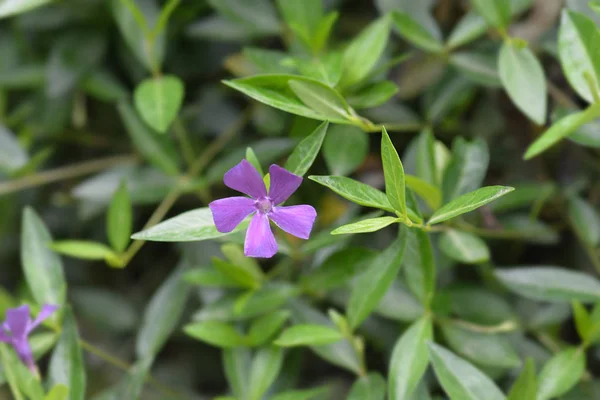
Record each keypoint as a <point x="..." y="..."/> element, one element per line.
<point x="17" y="327"/>
<point x="231" y="211"/>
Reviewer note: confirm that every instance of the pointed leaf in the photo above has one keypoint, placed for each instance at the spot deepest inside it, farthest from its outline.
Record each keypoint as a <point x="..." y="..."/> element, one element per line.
<point x="464" y="247"/>
<point x="369" y="387"/>
<point x="119" y="219"/>
<point x="216" y="333"/>
<point x="356" y="192"/>
<point x="158" y="101"/>
<point x="345" y="149"/>
<point x="526" y="385"/>
<point x="416" y="34"/>
<point x="321" y="98"/>
<point x="82" y="249"/>
<point x="561" y="373"/>
<point x="495" y="12"/>
<point x="305" y="153"/>
<point x="585" y="220"/>
<point x="394" y="175"/>
<point x="308" y="335"/>
<point x="366" y="225"/>
<point x="265" y="367"/>
<point x="12" y="155"/>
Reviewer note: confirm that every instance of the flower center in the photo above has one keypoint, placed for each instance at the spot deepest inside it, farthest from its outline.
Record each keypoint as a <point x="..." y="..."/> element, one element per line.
<point x="264" y="205"/>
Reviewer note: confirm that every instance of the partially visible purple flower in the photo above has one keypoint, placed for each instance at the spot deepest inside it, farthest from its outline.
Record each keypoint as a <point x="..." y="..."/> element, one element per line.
<point x="17" y="327"/>
<point x="231" y="211"/>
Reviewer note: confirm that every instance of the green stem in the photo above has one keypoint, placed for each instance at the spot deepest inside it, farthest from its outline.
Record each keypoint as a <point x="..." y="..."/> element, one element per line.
<point x="184" y="141"/>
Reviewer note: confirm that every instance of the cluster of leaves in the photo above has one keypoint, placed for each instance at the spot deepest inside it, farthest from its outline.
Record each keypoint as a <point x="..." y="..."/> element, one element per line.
<point x="459" y="271"/>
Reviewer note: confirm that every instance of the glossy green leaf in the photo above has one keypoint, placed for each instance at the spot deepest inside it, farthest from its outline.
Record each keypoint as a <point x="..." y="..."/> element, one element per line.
<point x="66" y="364"/>
<point x="416" y="34"/>
<point x="583" y="321"/>
<point x="162" y="314"/>
<point x="82" y="249"/>
<point x="551" y="284"/>
<point x="308" y="335"/>
<point x="190" y="226"/>
<point x="464" y="247"/>
<point x="431" y="194"/>
<point x="370" y="287"/>
<point x="479" y="68"/>
<point x="372" y="41"/>
<point x="345" y="149"/>
<point x="322" y="99"/>
<point x="216" y="333"/>
<point x="11" y="8"/>
<point x="12" y="155"/>
<point x="158" y="101"/>
<point x="119" y="219"/>
<point x="468" y="202"/>
<point x="561" y="373"/>
<point x="265" y="367"/>
<point x="265" y="327"/>
<point x="467" y="168"/>
<point x="373" y="95"/>
<point x="409" y="359"/>
<point x="303" y="17"/>
<point x="305" y="153"/>
<point x="238" y="273"/>
<point x="393" y="172"/>
<point x="364" y="226"/>
<point x="42" y="268"/>
<point x="253" y="159"/>
<point x="525" y="386"/>
<point x="460" y="379"/>
<point x="236" y="365"/>
<point x="469" y="28"/>
<point x="585" y="220"/>
<point x="369" y="387"/>
<point x="579" y="52"/>
<point x="419" y="265"/>
<point x="496" y="12"/>
<point x="523" y="78"/>
<point x="159" y="150"/>
<point x="356" y="192"/>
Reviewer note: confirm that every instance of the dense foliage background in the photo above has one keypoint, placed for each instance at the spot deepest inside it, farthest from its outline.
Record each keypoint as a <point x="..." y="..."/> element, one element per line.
<point x="439" y="281"/>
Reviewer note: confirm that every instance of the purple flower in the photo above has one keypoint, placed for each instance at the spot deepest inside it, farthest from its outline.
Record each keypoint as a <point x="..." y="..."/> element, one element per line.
<point x="230" y="212"/>
<point x="18" y="326"/>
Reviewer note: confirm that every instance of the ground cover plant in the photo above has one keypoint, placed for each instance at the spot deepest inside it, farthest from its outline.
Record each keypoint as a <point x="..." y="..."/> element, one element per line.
<point x="300" y="200"/>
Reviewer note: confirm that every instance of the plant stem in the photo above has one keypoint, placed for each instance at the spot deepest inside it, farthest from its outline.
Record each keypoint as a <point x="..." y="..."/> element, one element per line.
<point x="184" y="141"/>
<point x="62" y="173"/>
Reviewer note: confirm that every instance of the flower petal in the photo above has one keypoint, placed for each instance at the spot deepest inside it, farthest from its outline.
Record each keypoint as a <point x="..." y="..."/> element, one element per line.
<point x="246" y="179"/>
<point x="23" y="349"/>
<point x="46" y="311"/>
<point x="260" y="241"/>
<point x="17" y="320"/>
<point x="283" y="184"/>
<point x="295" y="220"/>
<point x="230" y="211"/>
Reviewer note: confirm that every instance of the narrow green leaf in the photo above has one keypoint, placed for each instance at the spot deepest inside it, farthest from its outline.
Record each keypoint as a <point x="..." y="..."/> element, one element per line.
<point x="583" y="322"/>
<point x="356" y="192"/>
<point x="467" y="167"/>
<point x="204" y="276"/>
<point x="523" y="78"/>
<point x="308" y="335"/>
<point x="216" y="333"/>
<point x="366" y="225"/>
<point x="551" y="284"/>
<point x="345" y="149"/>
<point x="372" y="284"/>
<point x="235" y="254"/>
<point x="394" y="175"/>
<point x="303" y="17"/>
<point x="119" y="219"/>
<point x="585" y="220"/>
<point x="66" y="364"/>
<point x="158" y="101"/>
<point x="12" y="155"/>
<point x="265" y="367"/>
<point x="460" y="379"/>
<point x="11" y="8"/>
<point x="416" y="34"/>
<point x="496" y="12"/>
<point x="373" y="95"/>
<point x="238" y="274"/>
<point x="464" y="247"/>
<point x="82" y="249"/>
<point x="322" y="99"/>
<point x="237" y="365"/>
<point x="58" y="392"/>
<point x="41" y="266"/>
<point x="253" y="159"/>
<point x="265" y="327"/>
<point x="305" y="153"/>
<point x="431" y="194"/>
<point x="561" y="373"/>
<point x="10" y="366"/>
<point x="525" y="387"/>
<point x="468" y="202"/>
<point x="306" y="394"/>
<point x="419" y="265"/>
<point x="369" y="387"/>
<point x="409" y="359"/>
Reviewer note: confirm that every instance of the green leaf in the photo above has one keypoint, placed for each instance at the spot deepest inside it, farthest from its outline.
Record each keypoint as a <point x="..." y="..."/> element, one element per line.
<point x="370" y="287"/>
<point x="345" y="149"/>
<point x="306" y="394"/>
<point x="431" y="194"/>
<point x="579" y="52"/>
<point x="158" y="101"/>
<point x="308" y="335"/>
<point x="235" y="254"/>
<point x="583" y="322"/>
<point x="561" y="373"/>
<point x="419" y="265"/>
<point x="13" y="371"/>
<point x="104" y="86"/>
<point x="368" y="387"/>
<point x="10" y="8"/>
<point x="366" y="225"/>
<point x="275" y="91"/>
<point x="464" y="247"/>
<point x="253" y="159"/>
<point x="411" y="30"/>
<point x="467" y="168"/>
<point x="12" y="155"/>
<point x="561" y="129"/>
<point x="468" y="202"/>
<point x="237" y="364"/>
<point x="190" y="226"/>
<point x="460" y="379"/>
<point x="159" y="150"/>
<point x="495" y="12"/>
<point x="305" y="153"/>
<point x="373" y="95"/>
<point x="481" y="68"/>
<point x="216" y="333"/>
<point x="409" y="359"/>
<point x="83" y="249"/>
<point x="133" y="383"/>
<point x="265" y="327"/>
<point x="372" y="41"/>
<point x="393" y="172"/>
<point x="58" y="392"/>
<point x="551" y="284"/>
<point x="523" y="78"/>
<point x="356" y="192"/>
<point x="41" y="266"/>
<point x="469" y="28"/>
<point x="265" y="367"/>
<point x="303" y="18"/>
<point x="585" y="220"/>
<point x="66" y="364"/>
<point x="119" y="219"/>
<point x="238" y="273"/>
<point x="338" y="268"/>
<point x="208" y="277"/>
<point x="258" y="17"/>
<point x="526" y="385"/>
<point x="426" y="158"/>
<point x="321" y="98"/>
<point x="162" y="314"/>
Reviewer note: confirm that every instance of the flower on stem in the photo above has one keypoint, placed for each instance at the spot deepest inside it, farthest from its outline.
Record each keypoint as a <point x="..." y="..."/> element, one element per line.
<point x="17" y="327"/>
<point x="231" y="211"/>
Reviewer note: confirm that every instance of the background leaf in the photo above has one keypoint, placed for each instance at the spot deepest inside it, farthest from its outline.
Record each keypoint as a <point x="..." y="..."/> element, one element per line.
<point x="158" y="101"/>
